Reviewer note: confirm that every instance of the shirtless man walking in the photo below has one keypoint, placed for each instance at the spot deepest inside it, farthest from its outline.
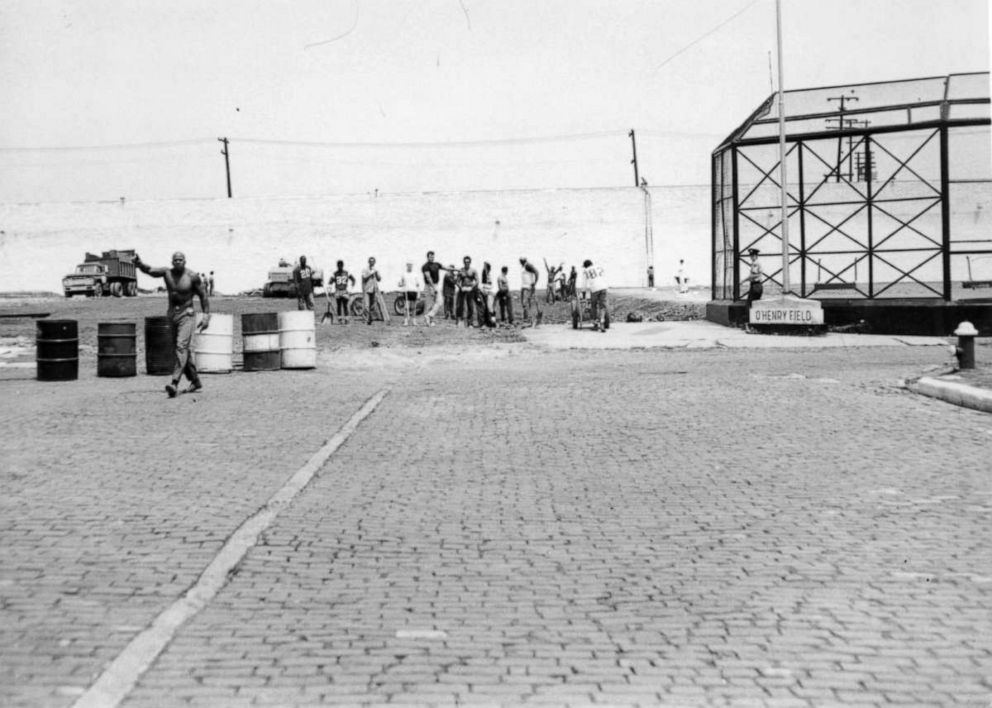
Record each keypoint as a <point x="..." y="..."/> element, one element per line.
<point x="181" y="285"/>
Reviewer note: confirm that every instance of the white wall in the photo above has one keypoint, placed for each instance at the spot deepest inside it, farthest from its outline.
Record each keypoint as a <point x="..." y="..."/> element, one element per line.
<point x="240" y="239"/>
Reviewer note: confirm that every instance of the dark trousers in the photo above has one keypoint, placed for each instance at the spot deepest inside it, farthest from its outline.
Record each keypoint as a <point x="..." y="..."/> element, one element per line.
<point x="342" y="305"/>
<point x="754" y="292"/>
<point x="182" y="335"/>
<point x="505" y="301"/>
<point x="449" y="305"/>
<point x="370" y="304"/>
<point x="465" y="307"/>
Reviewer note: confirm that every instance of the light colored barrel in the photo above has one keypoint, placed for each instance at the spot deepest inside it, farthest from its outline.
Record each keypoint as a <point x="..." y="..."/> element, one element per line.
<point x="213" y="348"/>
<point x="260" y="333"/>
<point x="297" y="339"/>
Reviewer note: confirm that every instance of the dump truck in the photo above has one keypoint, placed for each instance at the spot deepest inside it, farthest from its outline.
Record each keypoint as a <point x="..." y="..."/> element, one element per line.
<point x="111" y="273"/>
<point x="280" y="281"/>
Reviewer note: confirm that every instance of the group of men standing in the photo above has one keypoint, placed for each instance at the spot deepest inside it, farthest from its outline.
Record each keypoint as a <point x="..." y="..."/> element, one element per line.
<point x="469" y="296"/>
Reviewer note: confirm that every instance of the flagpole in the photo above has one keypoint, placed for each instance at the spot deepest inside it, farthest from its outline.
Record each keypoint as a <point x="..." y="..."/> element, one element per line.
<point x="786" y="285"/>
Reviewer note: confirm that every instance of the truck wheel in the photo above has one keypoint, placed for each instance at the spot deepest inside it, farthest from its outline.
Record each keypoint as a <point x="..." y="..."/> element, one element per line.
<point x="116" y="289"/>
<point x="97" y="290"/>
<point x="68" y="295"/>
<point x="267" y="290"/>
<point x="398" y="304"/>
<point x="356" y="308"/>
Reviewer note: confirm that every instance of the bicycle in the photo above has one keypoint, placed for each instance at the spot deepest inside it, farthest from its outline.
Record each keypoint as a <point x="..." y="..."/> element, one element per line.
<point x="399" y="306"/>
<point x="582" y="312"/>
<point x="356" y="307"/>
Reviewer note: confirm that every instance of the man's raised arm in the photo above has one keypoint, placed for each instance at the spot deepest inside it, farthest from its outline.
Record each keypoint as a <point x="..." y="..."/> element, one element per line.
<point x="147" y="269"/>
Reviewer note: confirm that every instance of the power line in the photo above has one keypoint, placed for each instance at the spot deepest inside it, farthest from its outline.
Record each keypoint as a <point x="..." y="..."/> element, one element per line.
<point x="437" y="144"/>
<point x="706" y="34"/>
<point x="304" y="143"/>
<point x="678" y="134"/>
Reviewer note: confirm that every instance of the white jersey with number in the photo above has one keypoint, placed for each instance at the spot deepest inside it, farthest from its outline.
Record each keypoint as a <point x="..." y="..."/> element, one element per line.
<point x="594" y="279"/>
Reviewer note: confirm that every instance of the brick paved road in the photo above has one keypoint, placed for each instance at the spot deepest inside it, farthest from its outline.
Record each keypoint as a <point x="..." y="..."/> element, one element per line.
<point x="683" y="528"/>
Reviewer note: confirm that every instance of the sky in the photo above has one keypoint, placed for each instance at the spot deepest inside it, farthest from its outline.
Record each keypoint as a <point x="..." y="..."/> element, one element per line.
<point x="111" y="98"/>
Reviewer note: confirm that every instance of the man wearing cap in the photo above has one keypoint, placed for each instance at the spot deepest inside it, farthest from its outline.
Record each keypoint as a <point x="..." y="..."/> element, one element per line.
<point x="303" y="277"/>
<point x="755" y="289"/>
<point x="181" y="284"/>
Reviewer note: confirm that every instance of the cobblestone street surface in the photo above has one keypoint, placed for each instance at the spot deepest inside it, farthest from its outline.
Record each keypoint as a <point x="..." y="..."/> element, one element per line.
<point x="679" y="527"/>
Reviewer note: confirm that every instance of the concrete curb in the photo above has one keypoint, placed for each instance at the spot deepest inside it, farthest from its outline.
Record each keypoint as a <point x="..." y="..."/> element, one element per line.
<point x="956" y="393"/>
<point x="701" y="334"/>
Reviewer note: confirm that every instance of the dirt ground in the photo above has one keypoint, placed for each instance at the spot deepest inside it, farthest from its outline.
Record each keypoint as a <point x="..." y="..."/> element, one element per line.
<point x="355" y="343"/>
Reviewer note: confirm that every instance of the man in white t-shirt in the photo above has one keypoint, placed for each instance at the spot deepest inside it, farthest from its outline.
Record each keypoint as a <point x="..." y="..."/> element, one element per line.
<point x="594" y="282"/>
<point x="680" y="279"/>
<point x="410" y="285"/>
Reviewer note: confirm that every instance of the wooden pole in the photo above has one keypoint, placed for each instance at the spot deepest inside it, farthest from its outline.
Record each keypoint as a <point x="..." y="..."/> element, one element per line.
<point x="783" y="172"/>
<point x="227" y="165"/>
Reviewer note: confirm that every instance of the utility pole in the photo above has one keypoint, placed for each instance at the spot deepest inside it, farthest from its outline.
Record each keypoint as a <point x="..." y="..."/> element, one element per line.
<point x="862" y="159"/>
<point x="648" y="225"/>
<point x="783" y="172"/>
<point x="633" y="144"/>
<point x="227" y="165"/>
<point x="842" y="99"/>
<point x="841" y="124"/>
<point x="850" y="147"/>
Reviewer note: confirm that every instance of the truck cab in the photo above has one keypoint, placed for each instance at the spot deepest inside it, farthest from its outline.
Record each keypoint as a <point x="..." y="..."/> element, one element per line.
<point x="88" y="279"/>
<point x="111" y="273"/>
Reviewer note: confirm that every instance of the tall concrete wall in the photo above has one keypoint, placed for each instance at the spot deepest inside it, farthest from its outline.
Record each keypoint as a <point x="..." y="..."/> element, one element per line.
<point x="240" y="239"/>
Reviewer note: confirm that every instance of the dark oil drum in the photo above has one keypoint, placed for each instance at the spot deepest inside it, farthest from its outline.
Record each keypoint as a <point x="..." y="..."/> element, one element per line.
<point x="116" y="351"/>
<point x="58" y="350"/>
<point x="160" y="350"/>
<point x="260" y="333"/>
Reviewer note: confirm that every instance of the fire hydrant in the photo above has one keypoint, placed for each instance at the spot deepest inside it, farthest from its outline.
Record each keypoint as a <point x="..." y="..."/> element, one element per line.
<point x="965" y="350"/>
